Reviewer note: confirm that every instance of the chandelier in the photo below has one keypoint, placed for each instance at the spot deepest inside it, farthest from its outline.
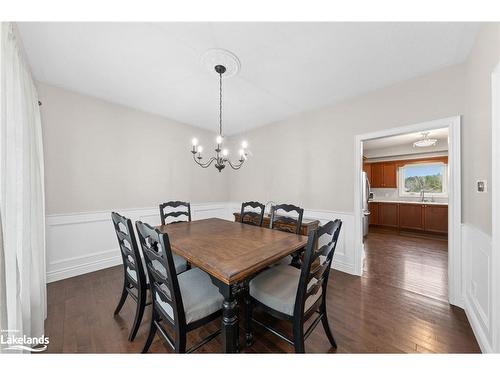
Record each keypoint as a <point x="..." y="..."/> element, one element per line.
<point x="221" y="157"/>
<point x="425" y="141"/>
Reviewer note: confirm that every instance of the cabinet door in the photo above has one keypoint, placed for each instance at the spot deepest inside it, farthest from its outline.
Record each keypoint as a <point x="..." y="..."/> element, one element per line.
<point x="411" y="216"/>
<point x="436" y="218"/>
<point x="377" y="175"/>
<point x="389" y="175"/>
<point x="388" y="214"/>
<point x="367" y="167"/>
<point x="373" y="218"/>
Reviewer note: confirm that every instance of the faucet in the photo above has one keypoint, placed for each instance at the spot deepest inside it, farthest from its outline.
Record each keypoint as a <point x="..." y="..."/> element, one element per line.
<point x="422" y="195"/>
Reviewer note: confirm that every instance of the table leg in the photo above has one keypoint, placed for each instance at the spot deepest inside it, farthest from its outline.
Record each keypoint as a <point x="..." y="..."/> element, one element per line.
<point x="230" y="327"/>
<point x="230" y="324"/>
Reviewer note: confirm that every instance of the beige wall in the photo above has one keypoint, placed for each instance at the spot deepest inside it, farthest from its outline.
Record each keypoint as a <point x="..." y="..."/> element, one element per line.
<point x="103" y="156"/>
<point x="309" y="159"/>
<point x="476" y="127"/>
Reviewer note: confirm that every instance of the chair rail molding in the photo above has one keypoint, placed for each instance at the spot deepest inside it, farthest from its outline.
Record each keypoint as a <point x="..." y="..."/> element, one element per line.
<point x="83" y="242"/>
<point x="455" y="264"/>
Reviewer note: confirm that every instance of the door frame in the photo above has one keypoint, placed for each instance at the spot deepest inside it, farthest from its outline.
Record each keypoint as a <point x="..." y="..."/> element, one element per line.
<point x="455" y="264"/>
<point x="495" y="207"/>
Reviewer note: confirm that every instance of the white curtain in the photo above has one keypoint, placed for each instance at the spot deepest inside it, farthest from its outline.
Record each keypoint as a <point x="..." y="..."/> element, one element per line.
<point x="23" y="306"/>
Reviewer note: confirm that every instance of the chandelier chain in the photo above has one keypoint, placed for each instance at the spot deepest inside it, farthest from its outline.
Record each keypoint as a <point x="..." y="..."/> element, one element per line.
<point x="220" y="104"/>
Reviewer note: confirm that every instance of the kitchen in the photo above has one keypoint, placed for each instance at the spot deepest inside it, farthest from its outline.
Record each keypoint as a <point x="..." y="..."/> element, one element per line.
<point x="405" y="215"/>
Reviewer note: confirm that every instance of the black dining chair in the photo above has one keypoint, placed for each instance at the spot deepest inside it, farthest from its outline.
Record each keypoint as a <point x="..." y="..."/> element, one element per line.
<point x="294" y="295"/>
<point x="171" y="210"/>
<point x="250" y="216"/>
<point x="181" y="302"/>
<point x="287" y="223"/>
<point x="134" y="281"/>
<point x="174" y="209"/>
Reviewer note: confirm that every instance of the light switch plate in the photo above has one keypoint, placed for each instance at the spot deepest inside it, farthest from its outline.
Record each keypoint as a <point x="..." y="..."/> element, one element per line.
<point x="482" y="186"/>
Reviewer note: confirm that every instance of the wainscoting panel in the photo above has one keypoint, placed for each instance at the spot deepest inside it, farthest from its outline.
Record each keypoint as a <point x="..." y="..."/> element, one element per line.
<point x="478" y="284"/>
<point x="79" y="243"/>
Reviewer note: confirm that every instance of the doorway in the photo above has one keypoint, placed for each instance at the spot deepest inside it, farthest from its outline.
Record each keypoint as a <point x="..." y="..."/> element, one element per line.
<point x="452" y="175"/>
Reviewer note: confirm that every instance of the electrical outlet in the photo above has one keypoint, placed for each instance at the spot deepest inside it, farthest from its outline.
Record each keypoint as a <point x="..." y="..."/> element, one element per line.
<point x="482" y="186"/>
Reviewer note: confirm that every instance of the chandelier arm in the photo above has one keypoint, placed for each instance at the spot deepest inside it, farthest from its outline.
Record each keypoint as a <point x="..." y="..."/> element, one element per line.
<point x="235" y="166"/>
<point x="204" y="165"/>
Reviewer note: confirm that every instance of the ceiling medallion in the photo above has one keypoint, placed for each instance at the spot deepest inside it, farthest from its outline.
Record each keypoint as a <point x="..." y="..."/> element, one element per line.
<point x="225" y="63"/>
<point x="425" y="141"/>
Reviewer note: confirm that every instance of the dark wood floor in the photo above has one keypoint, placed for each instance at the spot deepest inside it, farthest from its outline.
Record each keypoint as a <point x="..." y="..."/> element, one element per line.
<point x="398" y="306"/>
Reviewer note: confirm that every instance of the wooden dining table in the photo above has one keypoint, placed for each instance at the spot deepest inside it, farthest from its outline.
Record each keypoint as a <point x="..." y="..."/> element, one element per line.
<point x="231" y="253"/>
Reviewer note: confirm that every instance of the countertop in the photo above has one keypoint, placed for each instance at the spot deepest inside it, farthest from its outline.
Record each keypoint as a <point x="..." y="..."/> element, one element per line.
<point x="409" y="202"/>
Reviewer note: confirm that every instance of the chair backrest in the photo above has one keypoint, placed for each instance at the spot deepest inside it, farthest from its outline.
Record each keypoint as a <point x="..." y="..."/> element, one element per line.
<point x="251" y="216"/>
<point x="317" y="263"/>
<point x="131" y="256"/>
<point x="163" y="281"/>
<point x="286" y="223"/>
<point x="185" y="210"/>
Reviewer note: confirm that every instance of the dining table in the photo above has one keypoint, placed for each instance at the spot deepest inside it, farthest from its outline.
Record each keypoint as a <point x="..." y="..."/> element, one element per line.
<point x="232" y="254"/>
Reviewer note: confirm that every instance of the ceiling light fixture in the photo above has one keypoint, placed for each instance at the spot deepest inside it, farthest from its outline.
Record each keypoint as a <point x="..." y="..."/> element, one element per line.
<point x="425" y="141"/>
<point x="221" y="157"/>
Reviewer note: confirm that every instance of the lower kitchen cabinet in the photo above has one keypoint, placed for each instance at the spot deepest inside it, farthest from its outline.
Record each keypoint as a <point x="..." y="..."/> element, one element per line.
<point x="411" y="216"/>
<point x="436" y="218"/>
<point x="388" y="214"/>
<point x="431" y="218"/>
<point x="373" y="218"/>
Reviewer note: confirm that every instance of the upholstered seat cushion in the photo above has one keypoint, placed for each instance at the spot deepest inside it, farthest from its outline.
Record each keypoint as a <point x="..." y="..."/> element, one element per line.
<point x="179" y="262"/>
<point x="277" y="289"/>
<point x="200" y="297"/>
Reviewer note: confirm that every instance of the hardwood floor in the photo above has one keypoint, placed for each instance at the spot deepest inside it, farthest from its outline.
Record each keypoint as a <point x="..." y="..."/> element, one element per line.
<point x="397" y="306"/>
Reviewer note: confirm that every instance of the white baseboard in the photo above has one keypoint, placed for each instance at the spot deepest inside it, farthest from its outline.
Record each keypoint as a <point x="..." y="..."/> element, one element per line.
<point x="79" y="243"/>
<point x="477" y="273"/>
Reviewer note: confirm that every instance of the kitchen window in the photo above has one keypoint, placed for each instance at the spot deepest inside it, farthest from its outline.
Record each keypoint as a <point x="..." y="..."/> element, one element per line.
<point x="430" y="177"/>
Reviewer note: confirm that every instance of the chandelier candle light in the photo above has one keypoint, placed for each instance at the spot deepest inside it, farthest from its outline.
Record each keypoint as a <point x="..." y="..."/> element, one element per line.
<point x="221" y="154"/>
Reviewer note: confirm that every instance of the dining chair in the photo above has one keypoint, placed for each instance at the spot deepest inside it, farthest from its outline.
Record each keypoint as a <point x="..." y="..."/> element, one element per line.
<point x="174" y="212"/>
<point x="294" y="295"/>
<point x="166" y="213"/>
<point x="134" y="281"/>
<point x="287" y="223"/>
<point x="181" y="302"/>
<point x="251" y="216"/>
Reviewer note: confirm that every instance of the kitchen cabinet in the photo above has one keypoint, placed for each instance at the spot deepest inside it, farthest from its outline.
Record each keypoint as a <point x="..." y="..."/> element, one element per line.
<point x="388" y="214"/>
<point x="367" y="167"/>
<point x="389" y="175"/>
<point x="429" y="218"/>
<point x="384" y="175"/>
<point x="436" y="218"/>
<point x="373" y="218"/>
<point x="377" y="173"/>
<point x="411" y="216"/>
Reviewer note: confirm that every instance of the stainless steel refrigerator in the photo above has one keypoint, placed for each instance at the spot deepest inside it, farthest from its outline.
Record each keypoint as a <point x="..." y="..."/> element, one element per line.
<point x="364" y="202"/>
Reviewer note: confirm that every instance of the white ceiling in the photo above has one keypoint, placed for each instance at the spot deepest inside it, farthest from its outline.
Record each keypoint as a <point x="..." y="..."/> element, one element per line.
<point x="286" y="68"/>
<point x="407" y="140"/>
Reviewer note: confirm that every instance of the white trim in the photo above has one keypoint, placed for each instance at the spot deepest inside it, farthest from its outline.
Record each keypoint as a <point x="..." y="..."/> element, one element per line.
<point x="495" y="211"/>
<point x="455" y="292"/>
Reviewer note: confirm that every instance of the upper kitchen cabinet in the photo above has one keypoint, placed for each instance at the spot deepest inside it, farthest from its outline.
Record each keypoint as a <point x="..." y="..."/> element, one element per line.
<point x="367" y="167"/>
<point x="384" y="175"/>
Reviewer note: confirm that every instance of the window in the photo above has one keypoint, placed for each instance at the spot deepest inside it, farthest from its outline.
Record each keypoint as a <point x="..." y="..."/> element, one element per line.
<point x="429" y="177"/>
